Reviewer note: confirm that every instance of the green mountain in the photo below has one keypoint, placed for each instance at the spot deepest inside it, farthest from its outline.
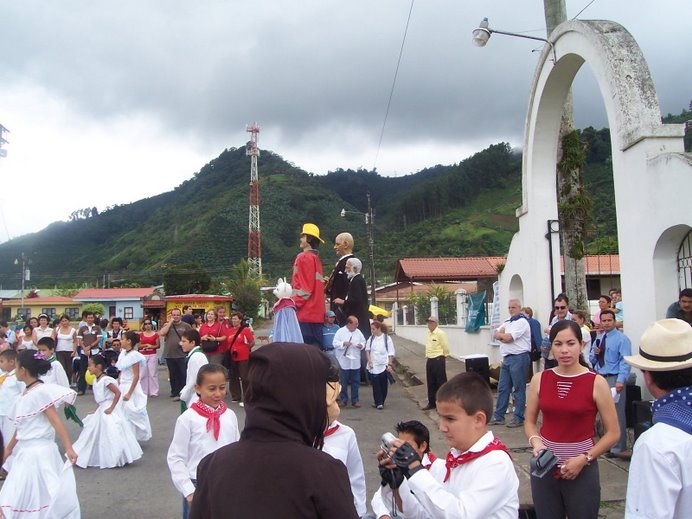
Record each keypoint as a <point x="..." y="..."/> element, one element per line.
<point x="465" y="209"/>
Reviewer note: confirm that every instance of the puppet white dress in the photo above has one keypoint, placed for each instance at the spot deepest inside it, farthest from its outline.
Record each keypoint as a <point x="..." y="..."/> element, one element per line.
<point x="134" y="409"/>
<point x="40" y="483"/>
<point x="107" y="440"/>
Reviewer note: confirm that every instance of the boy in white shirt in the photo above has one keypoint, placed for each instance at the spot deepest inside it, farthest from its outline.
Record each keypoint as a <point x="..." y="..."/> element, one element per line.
<point x="56" y="374"/>
<point x="477" y="478"/>
<point x="341" y="443"/>
<point x="195" y="359"/>
<point x="418" y="436"/>
<point x="10" y="390"/>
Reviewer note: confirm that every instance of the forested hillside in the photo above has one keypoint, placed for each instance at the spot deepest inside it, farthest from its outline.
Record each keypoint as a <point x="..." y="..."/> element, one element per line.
<point x="466" y="208"/>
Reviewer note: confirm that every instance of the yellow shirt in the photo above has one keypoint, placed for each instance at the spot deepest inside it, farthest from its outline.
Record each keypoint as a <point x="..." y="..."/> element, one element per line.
<point x="436" y="344"/>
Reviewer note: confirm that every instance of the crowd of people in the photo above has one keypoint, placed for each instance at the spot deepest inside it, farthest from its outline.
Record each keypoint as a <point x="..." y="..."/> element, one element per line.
<point x="293" y="392"/>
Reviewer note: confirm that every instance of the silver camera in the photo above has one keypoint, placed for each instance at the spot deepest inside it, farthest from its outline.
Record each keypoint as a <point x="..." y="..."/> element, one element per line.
<point x="387" y="439"/>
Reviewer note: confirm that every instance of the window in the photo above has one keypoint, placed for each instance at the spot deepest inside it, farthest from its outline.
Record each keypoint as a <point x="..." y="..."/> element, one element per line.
<point x="72" y="312"/>
<point x="129" y="312"/>
<point x="50" y="312"/>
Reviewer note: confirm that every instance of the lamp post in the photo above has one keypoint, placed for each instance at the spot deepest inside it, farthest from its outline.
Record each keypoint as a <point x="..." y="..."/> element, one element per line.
<point x="482" y="34"/>
<point x="369" y="222"/>
<point x="24" y="275"/>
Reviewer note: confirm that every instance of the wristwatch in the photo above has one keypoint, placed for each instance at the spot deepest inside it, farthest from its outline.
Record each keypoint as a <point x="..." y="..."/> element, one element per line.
<point x="589" y="458"/>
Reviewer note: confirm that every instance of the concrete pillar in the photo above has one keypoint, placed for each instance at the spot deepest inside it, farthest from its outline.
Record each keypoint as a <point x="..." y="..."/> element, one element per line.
<point x="405" y="315"/>
<point x="434" y="307"/>
<point x="462" y="309"/>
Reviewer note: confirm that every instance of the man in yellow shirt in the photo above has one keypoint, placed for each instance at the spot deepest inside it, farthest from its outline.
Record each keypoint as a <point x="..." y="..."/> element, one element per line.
<point x="436" y="349"/>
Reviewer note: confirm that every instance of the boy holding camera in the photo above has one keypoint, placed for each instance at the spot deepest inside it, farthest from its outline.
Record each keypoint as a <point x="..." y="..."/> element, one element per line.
<point x="477" y="478"/>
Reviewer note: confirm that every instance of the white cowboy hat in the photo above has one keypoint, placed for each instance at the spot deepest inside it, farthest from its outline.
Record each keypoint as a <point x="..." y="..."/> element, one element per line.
<point x="665" y="346"/>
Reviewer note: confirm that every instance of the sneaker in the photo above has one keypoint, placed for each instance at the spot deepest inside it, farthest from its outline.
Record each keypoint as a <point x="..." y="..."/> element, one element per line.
<point x="241" y="404"/>
<point x="496" y="422"/>
<point x="356" y="404"/>
<point x="380" y="407"/>
<point x="515" y="423"/>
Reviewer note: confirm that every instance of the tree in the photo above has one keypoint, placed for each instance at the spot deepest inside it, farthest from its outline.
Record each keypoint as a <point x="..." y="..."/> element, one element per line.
<point x="574" y="203"/>
<point x="245" y="289"/>
<point x="187" y="278"/>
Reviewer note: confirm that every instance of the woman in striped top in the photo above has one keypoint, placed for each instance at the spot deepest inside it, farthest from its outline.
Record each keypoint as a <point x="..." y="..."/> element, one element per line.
<point x="569" y="396"/>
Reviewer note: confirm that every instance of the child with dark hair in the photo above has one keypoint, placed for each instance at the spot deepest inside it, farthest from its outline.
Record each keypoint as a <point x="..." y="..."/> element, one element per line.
<point x="418" y="436"/>
<point x="195" y="359"/>
<point x="106" y="440"/>
<point x="10" y="390"/>
<point x="130" y="363"/>
<point x="52" y="489"/>
<point x="477" y="478"/>
<point x="206" y="426"/>
<point x="56" y="373"/>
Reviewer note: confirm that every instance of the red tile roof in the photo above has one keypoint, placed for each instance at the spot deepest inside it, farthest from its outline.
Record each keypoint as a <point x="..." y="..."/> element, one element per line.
<point x="114" y="293"/>
<point x="404" y="289"/>
<point x="598" y="265"/>
<point x="447" y="269"/>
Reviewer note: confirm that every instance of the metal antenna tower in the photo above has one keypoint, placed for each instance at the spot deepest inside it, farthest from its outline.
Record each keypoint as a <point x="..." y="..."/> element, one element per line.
<point x="3" y="130"/>
<point x="254" y="236"/>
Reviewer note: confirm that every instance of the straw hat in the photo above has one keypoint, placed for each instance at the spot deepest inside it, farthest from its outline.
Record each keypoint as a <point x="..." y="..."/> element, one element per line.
<point x="665" y="346"/>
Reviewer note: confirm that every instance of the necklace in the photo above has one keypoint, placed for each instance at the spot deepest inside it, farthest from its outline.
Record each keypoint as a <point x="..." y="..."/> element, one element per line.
<point x="37" y="381"/>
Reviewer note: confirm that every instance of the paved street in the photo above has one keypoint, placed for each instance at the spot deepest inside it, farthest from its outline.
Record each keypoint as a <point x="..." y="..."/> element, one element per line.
<point x="144" y="489"/>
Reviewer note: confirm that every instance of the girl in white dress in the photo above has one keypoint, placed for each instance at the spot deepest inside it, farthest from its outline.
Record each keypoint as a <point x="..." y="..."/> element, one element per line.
<point x="26" y="342"/>
<point x="107" y="440"/>
<point x="205" y="427"/>
<point x="40" y="484"/>
<point x="129" y="363"/>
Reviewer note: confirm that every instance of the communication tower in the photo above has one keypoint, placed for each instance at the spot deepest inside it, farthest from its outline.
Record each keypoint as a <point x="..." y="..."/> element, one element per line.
<point x="254" y="236"/>
<point x="3" y="130"/>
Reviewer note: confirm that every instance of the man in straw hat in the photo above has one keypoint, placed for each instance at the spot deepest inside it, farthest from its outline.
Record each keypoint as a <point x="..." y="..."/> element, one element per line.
<point x="660" y="478"/>
<point x="308" y="285"/>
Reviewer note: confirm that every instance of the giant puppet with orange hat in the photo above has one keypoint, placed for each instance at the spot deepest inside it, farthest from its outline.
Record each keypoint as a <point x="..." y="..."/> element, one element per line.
<point x="308" y="285"/>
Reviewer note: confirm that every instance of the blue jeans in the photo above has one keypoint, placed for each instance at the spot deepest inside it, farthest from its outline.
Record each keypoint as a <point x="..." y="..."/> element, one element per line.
<point x="512" y="375"/>
<point x="186" y="506"/>
<point x="379" y="387"/>
<point x="349" y="377"/>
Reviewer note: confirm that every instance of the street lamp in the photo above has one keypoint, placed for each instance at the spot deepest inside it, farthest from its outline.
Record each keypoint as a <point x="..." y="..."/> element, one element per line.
<point x="482" y="34"/>
<point x="369" y="221"/>
<point x="25" y="274"/>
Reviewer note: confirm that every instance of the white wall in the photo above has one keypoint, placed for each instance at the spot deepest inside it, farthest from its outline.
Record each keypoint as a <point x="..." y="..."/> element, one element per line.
<point x="460" y="342"/>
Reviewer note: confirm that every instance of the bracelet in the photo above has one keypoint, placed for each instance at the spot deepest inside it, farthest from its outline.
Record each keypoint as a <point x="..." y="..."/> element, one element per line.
<point x="532" y="437"/>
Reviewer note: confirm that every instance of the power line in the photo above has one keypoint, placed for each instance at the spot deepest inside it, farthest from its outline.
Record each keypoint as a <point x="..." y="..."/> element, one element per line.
<point x="391" y="92"/>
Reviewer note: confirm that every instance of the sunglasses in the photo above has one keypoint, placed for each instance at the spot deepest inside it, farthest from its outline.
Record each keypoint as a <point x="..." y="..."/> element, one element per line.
<point x="560" y="307"/>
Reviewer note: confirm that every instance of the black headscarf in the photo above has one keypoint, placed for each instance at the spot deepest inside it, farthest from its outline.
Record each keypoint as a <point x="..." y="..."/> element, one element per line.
<point x="286" y="397"/>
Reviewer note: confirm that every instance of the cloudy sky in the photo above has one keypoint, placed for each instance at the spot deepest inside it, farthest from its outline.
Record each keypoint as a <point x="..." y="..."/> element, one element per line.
<point x="110" y="102"/>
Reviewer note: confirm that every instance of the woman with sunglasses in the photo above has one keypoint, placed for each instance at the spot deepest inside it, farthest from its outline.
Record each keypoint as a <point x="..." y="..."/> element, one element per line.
<point x="148" y="346"/>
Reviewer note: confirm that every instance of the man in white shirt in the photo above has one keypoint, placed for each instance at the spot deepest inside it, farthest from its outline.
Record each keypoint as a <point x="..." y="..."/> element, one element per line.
<point x="661" y="469"/>
<point x="348" y="343"/>
<point x="515" y="344"/>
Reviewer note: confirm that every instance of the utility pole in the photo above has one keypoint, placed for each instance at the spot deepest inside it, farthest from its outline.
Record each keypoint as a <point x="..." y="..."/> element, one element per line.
<point x="574" y="204"/>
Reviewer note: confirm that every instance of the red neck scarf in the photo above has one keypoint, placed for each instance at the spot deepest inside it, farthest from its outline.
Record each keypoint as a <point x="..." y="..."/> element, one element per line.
<point x="331" y="430"/>
<point x="212" y="415"/>
<point x="432" y="459"/>
<point x="452" y="461"/>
